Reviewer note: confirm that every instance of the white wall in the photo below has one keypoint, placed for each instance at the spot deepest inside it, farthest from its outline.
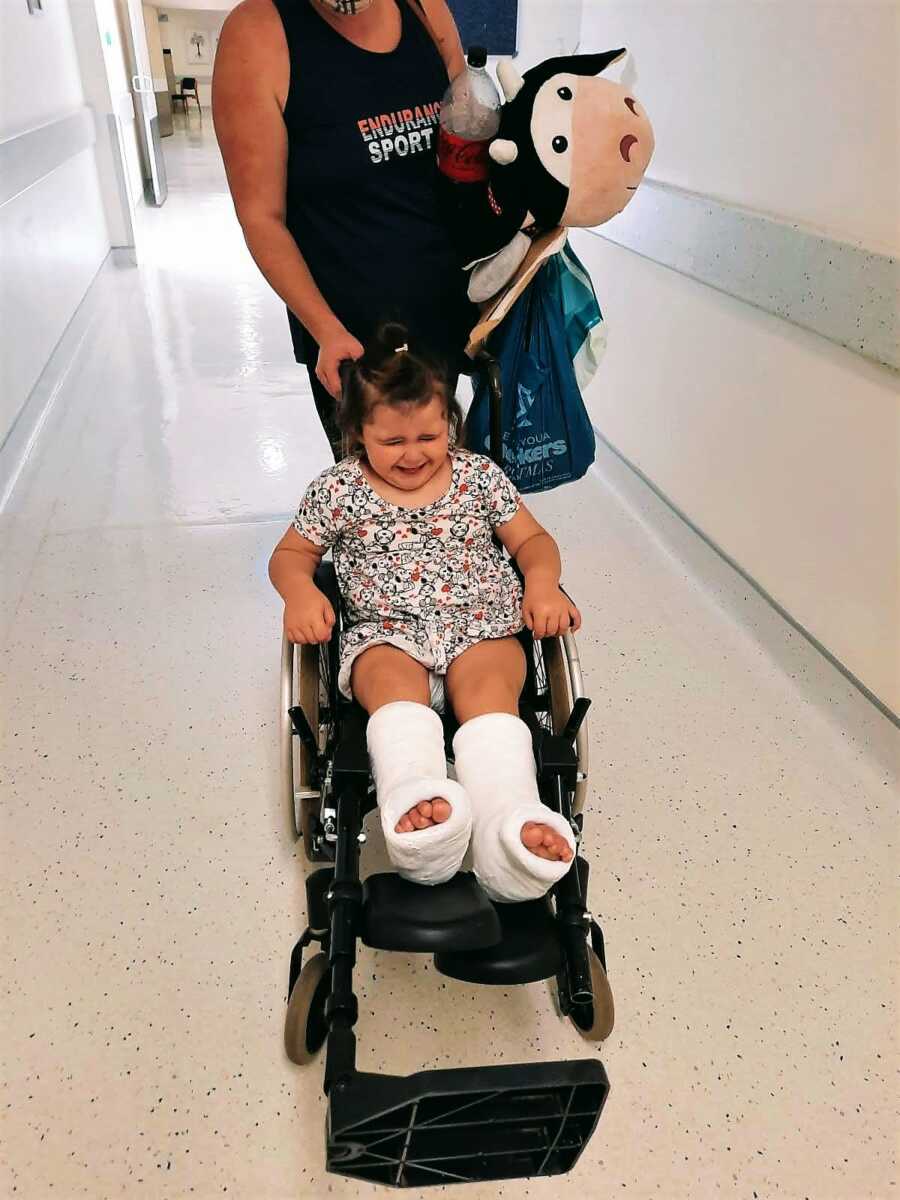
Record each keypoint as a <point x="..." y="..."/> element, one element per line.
<point x="53" y="236"/>
<point x="547" y="28"/>
<point x="789" y="108"/>
<point x="175" y="33"/>
<point x="779" y="445"/>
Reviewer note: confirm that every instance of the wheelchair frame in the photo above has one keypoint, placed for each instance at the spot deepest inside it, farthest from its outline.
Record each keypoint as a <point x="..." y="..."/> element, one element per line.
<point x="562" y="668"/>
<point x="462" y="1124"/>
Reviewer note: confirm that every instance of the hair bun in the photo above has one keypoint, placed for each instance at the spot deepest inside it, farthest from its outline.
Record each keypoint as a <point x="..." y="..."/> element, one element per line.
<point x="389" y="336"/>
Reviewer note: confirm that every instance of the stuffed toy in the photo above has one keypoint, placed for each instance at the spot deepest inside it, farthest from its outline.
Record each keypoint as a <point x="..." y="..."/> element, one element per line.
<point x="570" y="151"/>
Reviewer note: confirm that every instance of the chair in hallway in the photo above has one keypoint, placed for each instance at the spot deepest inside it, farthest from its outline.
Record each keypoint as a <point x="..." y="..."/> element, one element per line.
<point x="187" y="91"/>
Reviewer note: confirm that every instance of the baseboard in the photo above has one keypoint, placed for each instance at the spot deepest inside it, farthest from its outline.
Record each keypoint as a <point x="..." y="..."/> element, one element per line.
<point x="757" y="587"/>
<point x="23" y="435"/>
<point x="124" y="256"/>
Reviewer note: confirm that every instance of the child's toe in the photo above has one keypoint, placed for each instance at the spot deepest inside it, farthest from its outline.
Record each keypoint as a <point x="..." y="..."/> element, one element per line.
<point x="440" y="810"/>
<point x="532" y="836"/>
<point x="424" y="815"/>
<point x="545" y="842"/>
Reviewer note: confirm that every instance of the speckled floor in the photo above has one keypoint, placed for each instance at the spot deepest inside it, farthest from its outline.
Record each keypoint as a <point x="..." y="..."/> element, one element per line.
<point x="740" y="828"/>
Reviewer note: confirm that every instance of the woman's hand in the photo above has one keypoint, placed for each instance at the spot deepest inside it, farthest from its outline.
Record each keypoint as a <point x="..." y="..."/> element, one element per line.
<point x="549" y="611"/>
<point x="334" y="348"/>
<point x="309" y="619"/>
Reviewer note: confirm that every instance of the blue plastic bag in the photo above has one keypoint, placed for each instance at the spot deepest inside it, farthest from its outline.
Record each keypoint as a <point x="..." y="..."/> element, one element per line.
<point x="548" y="439"/>
<point x="585" y="329"/>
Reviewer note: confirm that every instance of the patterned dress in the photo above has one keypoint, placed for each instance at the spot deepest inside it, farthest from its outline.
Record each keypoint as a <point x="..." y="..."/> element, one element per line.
<point x="428" y="580"/>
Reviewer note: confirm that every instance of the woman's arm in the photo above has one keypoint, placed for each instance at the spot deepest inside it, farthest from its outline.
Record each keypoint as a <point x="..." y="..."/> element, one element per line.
<point x="250" y="84"/>
<point x="443" y="29"/>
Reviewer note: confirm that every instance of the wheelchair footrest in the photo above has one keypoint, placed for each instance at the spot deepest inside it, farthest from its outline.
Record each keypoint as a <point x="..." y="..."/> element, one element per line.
<point x="464" y="1125"/>
<point x="528" y="949"/>
<point x="399" y="915"/>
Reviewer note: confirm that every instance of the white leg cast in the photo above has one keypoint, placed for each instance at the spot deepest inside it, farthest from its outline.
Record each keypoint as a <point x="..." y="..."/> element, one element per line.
<point x="406" y="748"/>
<point x="495" y="765"/>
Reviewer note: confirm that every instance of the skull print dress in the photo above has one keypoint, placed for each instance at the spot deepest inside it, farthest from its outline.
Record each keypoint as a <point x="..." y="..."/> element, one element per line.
<point x="428" y="580"/>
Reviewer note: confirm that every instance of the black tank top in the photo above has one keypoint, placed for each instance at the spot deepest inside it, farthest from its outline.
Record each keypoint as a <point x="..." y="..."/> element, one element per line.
<point x="362" y="196"/>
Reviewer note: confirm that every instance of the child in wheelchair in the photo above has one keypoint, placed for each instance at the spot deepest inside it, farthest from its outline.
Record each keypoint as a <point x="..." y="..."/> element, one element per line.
<point x="432" y="611"/>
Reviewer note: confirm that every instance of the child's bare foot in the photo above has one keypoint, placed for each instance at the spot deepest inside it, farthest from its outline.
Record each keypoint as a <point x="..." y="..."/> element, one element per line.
<point x="428" y="812"/>
<point x="545" y="842"/>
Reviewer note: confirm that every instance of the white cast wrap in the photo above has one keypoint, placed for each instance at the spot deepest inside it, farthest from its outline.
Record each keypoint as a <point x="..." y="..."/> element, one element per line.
<point x="406" y="746"/>
<point x="495" y="765"/>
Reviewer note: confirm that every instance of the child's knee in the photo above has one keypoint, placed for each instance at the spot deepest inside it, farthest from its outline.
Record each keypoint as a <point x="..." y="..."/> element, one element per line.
<point x="487" y="678"/>
<point x="383" y="674"/>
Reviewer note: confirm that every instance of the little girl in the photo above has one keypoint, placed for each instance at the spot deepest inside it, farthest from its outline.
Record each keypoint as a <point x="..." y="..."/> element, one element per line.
<point x="432" y="609"/>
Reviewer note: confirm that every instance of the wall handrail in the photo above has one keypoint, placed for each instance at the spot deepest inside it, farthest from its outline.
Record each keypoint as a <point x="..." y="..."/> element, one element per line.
<point x="33" y="154"/>
<point x="841" y="290"/>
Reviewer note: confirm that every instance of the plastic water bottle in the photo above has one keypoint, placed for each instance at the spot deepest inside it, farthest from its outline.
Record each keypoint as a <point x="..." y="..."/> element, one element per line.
<point x="470" y="117"/>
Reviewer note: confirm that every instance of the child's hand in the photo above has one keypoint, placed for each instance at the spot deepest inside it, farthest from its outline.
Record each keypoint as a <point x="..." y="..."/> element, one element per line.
<point x="548" y="611"/>
<point x="309" y="619"/>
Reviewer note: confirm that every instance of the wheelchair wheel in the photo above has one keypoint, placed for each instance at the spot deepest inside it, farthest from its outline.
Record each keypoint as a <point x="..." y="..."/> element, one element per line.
<point x="308" y="793"/>
<point x="594" y="1021"/>
<point x="299" y="685"/>
<point x="305" y="1029"/>
<point x="286" y="731"/>
<point x="308" y="699"/>
<point x="558" y="671"/>
<point x="556" y="679"/>
<point x="309" y="679"/>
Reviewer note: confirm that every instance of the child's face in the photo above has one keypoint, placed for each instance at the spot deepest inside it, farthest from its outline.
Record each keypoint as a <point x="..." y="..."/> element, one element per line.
<point x="407" y="444"/>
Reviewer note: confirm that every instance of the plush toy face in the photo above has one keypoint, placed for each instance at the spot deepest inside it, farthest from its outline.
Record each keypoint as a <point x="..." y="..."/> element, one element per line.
<point x="611" y="144"/>
<point x="597" y="143"/>
<point x="573" y="147"/>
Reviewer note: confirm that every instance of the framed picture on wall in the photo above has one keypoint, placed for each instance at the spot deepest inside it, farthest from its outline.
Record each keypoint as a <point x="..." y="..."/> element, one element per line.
<point x="199" y="51"/>
<point x="489" y="23"/>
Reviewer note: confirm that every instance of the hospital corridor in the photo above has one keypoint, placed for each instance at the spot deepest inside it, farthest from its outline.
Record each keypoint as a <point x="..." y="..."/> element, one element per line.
<point x="741" y="814"/>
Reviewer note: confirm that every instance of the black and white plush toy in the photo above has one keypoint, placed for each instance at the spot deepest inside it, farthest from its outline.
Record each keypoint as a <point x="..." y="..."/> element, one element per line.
<point x="570" y="151"/>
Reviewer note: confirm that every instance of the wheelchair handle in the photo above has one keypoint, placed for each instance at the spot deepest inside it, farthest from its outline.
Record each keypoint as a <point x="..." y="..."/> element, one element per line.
<point x="303" y="730"/>
<point x="579" y="712"/>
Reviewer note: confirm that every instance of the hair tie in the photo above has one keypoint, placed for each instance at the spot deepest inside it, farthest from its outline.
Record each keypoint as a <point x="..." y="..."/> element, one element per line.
<point x="400" y="349"/>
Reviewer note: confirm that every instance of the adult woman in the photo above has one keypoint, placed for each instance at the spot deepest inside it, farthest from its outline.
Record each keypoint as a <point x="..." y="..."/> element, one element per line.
<point x="326" y="112"/>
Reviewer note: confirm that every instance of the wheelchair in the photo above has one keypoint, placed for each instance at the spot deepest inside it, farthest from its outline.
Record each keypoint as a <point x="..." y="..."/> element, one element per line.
<point x="460" y="1124"/>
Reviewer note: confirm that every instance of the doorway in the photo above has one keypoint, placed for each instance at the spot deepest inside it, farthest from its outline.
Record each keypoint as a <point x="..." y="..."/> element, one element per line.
<point x="144" y="87"/>
<point x="187" y="36"/>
